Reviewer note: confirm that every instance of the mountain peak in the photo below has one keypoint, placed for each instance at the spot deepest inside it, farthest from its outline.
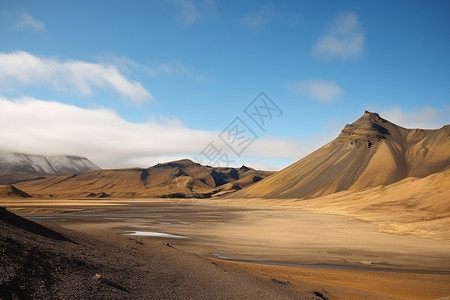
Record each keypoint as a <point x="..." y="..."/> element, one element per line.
<point x="367" y="130"/>
<point x="182" y="163"/>
<point x="371" y="115"/>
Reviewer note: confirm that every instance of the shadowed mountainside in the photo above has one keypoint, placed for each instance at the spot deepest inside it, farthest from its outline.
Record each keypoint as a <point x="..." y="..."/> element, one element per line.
<point x="177" y="179"/>
<point x="370" y="152"/>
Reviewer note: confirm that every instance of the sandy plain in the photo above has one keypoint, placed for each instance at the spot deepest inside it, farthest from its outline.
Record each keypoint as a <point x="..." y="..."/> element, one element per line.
<point x="339" y="255"/>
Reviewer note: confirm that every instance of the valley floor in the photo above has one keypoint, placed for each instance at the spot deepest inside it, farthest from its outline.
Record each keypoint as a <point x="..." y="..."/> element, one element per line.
<point x="284" y="250"/>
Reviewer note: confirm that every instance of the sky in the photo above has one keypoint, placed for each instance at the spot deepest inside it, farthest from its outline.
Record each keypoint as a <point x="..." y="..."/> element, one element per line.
<point x="224" y="83"/>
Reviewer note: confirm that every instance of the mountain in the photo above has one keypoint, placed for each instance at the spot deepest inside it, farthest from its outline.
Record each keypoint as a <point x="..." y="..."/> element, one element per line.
<point x="370" y="152"/>
<point x="15" y="167"/>
<point x="177" y="179"/>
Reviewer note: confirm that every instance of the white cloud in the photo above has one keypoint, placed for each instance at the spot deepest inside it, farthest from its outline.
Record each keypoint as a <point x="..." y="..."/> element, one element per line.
<point x="281" y="148"/>
<point x="47" y="127"/>
<point x="343" y="39"/>
<point x="191" y="11"/>
<point x="256" y="19"/>
<point x="28" y="22"/>
<point x="174" y="67"/>
<point x="171" y="68"/>
<point x="24" y="69"/>
<point x="424" y="118"/>
<point x="321" y="90"/>
<point x="188" y="12"/>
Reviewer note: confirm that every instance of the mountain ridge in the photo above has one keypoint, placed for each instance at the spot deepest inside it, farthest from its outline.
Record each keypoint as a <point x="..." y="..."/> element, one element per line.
<point x="176" y="179"/>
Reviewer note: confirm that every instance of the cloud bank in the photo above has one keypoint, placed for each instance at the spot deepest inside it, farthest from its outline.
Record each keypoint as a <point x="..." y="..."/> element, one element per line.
<point x="18" y="69"/>
<point x="35" y="126"/>
<point x="424" y="118"/>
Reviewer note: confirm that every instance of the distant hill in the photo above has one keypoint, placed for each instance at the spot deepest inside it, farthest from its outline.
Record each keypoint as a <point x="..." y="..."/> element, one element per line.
<point x="370" y="152"/>
<point x="177" y="179"/>
<point x="16" y="167"/>
<point x="10" y="191"/>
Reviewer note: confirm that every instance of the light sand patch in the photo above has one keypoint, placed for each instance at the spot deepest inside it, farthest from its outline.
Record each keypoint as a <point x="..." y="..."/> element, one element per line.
<point x="157" y="234"/>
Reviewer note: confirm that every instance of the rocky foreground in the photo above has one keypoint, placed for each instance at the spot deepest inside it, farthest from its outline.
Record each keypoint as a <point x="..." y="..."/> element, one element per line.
<point x="42" y="263"/>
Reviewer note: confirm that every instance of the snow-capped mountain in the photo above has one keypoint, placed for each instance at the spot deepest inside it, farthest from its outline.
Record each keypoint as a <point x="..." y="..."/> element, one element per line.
<point x="65" y="164"/>
<point x="19" y="166"/>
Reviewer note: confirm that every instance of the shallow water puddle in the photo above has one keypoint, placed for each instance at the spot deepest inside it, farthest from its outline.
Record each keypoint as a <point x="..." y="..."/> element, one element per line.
<point x="157" y="234"/>
<point x="218" y="255"/>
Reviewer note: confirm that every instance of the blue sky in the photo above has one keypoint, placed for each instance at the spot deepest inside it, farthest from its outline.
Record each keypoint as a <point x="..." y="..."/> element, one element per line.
<point x="135" y="83"/>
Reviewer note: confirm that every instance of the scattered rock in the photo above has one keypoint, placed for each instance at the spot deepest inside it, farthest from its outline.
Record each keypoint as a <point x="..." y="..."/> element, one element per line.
<point x="280" y="281"/>
<point x="320" y="295"/>
<point x="100" y="278"/>
<point x="98" y="195"/>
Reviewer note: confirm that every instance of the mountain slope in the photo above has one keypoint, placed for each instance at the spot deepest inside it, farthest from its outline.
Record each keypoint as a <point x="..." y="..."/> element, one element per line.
<point x="177" y="179"/>
<point x="10" y="191"/>
<point x="412" y="206"/>
<point x="370" y="152"/>
<point x="16" y="167"/>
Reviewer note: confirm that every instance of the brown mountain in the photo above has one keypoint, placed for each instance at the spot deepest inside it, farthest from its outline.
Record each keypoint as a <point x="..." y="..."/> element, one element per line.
<point x="177" y="179"/>
<point x="370" y="152"/>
